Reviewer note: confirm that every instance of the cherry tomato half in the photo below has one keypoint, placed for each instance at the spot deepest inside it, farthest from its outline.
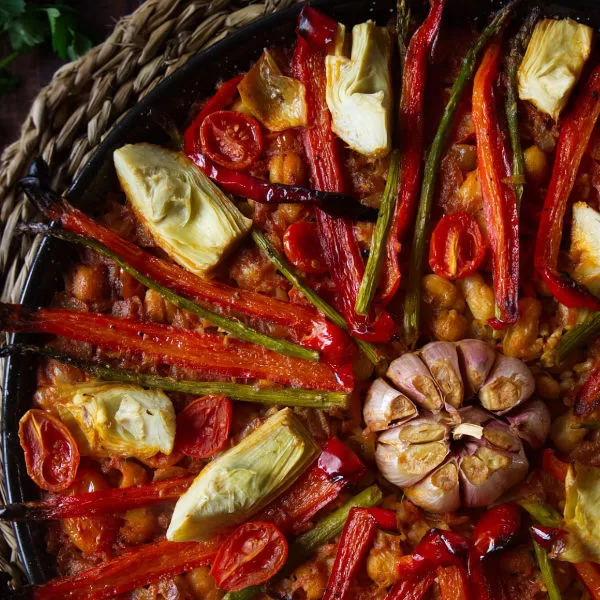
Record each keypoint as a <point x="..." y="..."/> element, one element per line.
<point x="231" y="139"/>
<point x="51" y="453"/>
<point x="457" y="248"/>
<point x="91" y="534"/>
<point x="203" y="426"/>
<point x="251" y="555"/>
<point x="302" y="247"/>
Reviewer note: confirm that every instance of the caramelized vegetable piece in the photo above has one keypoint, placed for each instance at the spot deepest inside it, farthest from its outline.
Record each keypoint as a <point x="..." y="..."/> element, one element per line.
<point x="203" y="426"/>
<point x="277" y="101"/>
<point x="454" y="583"/>
<point x="574" y="137"/>
<point x="588" y="397"/>
<point x="51" y="453"/>
<point x="251" y="555"/>
<point x="499" y="199"/>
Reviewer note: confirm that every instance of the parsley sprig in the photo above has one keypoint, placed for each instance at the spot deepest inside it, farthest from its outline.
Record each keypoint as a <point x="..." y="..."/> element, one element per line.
<point x="27" y="24"/>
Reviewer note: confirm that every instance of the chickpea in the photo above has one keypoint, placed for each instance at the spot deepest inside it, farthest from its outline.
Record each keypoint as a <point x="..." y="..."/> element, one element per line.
<point x="139" y="525"/>
<point x="536" y="165"/>
<point x="287" y="168"/>
<point x="88" y="283"/>
<point x="521" y="339"/>
<point x="440" y="293"/>
<point x="383" y="559"/>
<point x="479" y="296"/>
<point x="566" y="437"/>
<point x="469" y="193"/>
<point x="202" y="584"/>
<point x="547" y="387"/>
<point x="449" y="326"/>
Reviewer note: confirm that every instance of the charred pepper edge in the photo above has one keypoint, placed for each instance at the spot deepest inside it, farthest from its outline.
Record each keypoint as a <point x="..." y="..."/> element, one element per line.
<point x="232" y="326"/>
<point x="291" y="274"/>
<point x="412" y="304"/>
<point x="236" y="391"/>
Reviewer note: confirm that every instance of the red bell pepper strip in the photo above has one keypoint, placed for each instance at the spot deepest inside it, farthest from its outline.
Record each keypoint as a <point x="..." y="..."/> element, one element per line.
<point x="589" y="573"/>
<point x="306" y="326"/>
<point x="103" y="501"/>
<point x="497" y="528"/>
<point x="554" y="466"/>
<point x="484" y="586"/>
<point x="413" y="588"/>
<point x="319" y="30"/>
<point x="573" y="140"/>
<point x="208" y="354"/>
<point x="412" y="136"/>
<point x="336" y="468"/>
<point x="499" y="199"/>
<point x="547" y="537"/>
<point x="454" y="584"/>
<point x="224" y="96"/>
<point x="324" y="154"/>
<point x="357" y="538"/>
<point x="142" y="566"/>
<point x="588" y="397"/>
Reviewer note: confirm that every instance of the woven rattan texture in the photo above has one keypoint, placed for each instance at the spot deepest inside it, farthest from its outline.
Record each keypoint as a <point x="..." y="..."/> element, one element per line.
<point x="81" y="104"/>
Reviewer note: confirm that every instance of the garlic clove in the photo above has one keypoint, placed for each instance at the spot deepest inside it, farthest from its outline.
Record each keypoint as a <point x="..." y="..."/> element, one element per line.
<point x="486" y="473"/>
<point x="404" y="464"/>
<point x="509" y="384"/>
<point x="441" y="358"/>
<point x="474" y="415"/>
<point x="499" y="435"/>
<point x="532" y="423"/>
<point x="385" y="406"/>
<point x="416" y="431"/>
<point x="477" y="359"/>
<point x="439" y="492"/>
<point x="412" y="377"/>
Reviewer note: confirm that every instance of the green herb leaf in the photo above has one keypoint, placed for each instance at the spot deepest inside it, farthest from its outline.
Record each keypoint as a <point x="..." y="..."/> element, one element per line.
<point x="27" y="31"/>
<point x="9" y="9"/>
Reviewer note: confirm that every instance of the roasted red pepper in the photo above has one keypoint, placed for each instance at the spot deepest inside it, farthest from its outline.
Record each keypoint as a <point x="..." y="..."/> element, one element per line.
<point x="554" y="466"/>
<point x="588" y="397"/>
<point x="139" y="567"/>
<point x="497" y="528"/>
<point x="457" y="248"/>
<point x="324" y="153"/>
<point x="454" y="583"/>
<point x="484" y="585"/>
<point x="499" y="199"/>
<point x="357" y="538"/>
<point x="336" y="468"/>
<point x="306" y="326"/>
<point x="412" y="136"/>
<point x="208" y="354"/>
<point x="573" y="140"/>
<point x="589" y="573"/>
<point x="103" y="501"/>
<point x="412" y="588"/>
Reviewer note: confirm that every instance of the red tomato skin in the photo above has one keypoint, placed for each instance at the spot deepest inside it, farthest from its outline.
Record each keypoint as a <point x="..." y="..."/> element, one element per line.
<point x="231" y="139"/>
<point x="302" y="248"/>
<point x="91" y="534"/>
<point x="203" y="426"/>
<point x="51" y="453"/>
<point x="461" y="230"/>
<point x="251" y="555"/>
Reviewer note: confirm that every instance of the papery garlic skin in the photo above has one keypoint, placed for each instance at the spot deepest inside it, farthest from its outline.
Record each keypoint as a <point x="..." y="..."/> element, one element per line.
<point x="532" y="423"/>
<point x="477" y="359"/>
<point x="439" y="492"/>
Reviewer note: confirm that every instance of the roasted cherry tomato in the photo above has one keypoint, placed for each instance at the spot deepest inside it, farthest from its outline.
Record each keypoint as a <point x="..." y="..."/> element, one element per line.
<point x="231" y="139"/>
<point x="457" y="247"/>
<point x="51" y="453"/>
<point x="203" y="426"/>
<point x="303" y="249"/>
<point x="251" y="555"/>
<point x="91" y="534"/>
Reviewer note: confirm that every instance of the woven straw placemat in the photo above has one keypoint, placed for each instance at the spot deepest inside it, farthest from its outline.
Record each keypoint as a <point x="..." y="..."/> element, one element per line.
<point x="77" y="109"/>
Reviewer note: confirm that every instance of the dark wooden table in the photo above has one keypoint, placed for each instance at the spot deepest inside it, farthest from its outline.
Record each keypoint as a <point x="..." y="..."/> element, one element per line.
<point x="35" y="69"/>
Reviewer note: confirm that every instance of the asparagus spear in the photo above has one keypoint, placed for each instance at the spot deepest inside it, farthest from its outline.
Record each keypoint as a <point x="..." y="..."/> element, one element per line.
<point x="547" y="572"/>
<point x="578" y="336"/>
<point x="412" y="303"/>
<point x="235" y="391"/>
<point x="306" y="544"/>
<point x="290" y="273"/>
<point x="518" y="45"/>
<point x="228" y="324"/>
<point x="372" y="272"/>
